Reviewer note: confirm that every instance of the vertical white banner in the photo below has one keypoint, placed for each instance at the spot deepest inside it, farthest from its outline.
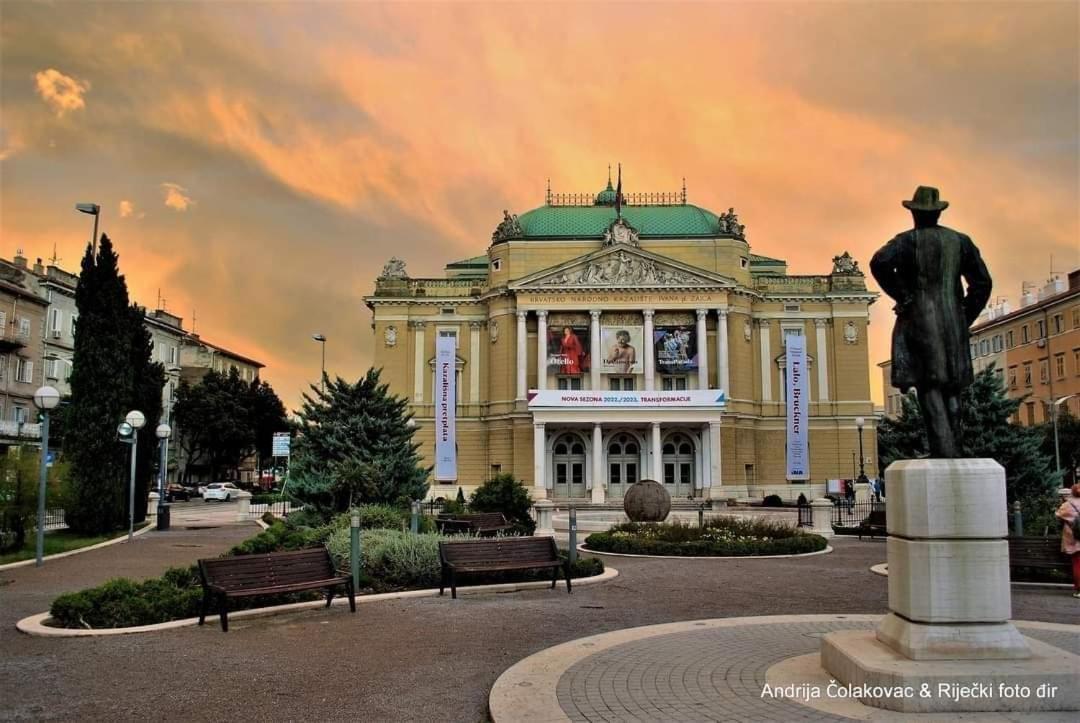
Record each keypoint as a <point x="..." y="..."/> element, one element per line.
<point x="798" y="412"/>
<point x="445" y="408"/>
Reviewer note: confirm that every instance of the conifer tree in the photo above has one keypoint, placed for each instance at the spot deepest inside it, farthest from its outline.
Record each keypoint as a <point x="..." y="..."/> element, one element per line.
<point x="353" y="445"/>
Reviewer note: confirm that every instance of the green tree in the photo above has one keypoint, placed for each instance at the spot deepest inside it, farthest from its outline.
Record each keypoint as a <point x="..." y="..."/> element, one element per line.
<point x="101" y="394"/>
<point x="1068" y="445"/>
<point x="215" y="422"/>
<point x="354" y="445"/>
<point x="987" y="432"/>
<point x="504" y="493"/>
<point x="267" y="417"/>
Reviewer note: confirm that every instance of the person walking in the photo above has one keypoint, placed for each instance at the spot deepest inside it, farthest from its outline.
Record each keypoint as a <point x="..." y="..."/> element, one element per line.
<point x="1069" y="513"/>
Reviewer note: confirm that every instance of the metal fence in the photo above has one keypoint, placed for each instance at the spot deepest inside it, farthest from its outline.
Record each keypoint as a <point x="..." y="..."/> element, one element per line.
<point x="279" y="508"/>
<point x="54" y="519"/>
<point x="848" y="514"/>
<point x="806" y="515"/>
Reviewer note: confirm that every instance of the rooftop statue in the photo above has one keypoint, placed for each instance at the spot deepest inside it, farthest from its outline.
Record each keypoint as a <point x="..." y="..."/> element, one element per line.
<point x="845" y="264"/>
<point x="921" y="269"/>
<point x="394" y="269"/>
<point x="508" y="228"/>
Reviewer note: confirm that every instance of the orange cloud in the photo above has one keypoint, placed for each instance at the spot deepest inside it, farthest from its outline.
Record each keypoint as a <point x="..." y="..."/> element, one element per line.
<point x="61" y="92"/>
<point x="176" y="197"/>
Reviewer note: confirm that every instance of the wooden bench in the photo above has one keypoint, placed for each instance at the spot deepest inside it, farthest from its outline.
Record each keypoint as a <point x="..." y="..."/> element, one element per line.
<point x="269" y="574"/>
<point x="499" y="554"/>
<point x="873" y="524"/>
<point x="481" y="524"/>
<point x="1038" y="552"/>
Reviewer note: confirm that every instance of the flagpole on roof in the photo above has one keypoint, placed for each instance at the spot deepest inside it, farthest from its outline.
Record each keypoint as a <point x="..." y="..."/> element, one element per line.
<point x="618" y="195"/>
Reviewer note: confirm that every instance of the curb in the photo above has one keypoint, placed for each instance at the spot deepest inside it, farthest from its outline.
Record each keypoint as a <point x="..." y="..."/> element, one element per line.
<point x="35" y="624"/>
<point x="69" y="553"/>
<point x="582" y="548"/>
<point x="883" y="570"/>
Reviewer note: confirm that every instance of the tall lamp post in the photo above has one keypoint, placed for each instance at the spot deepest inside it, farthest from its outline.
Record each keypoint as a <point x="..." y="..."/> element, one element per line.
<point x="322" y="377"/>
<point x="45" y="399"/>
<point x="862" y="479"/>
<point x="163" y="431"/>
<point x="1057" y="447"/>
<point x="129" y="433"/>
<point x="94" y="210"/>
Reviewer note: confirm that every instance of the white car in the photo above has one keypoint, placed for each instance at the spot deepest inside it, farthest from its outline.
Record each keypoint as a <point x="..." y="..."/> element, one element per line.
<point x="220" y="491"/>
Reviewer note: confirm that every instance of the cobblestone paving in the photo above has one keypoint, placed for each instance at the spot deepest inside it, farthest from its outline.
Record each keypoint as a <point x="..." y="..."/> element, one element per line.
<point x="713" y="675"/>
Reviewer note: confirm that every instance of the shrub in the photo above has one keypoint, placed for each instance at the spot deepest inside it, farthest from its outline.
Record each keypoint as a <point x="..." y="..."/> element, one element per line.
<point x="306" y="517"/>
<point x="772" y="501"/>
<point x="453" y="507"/>
<point x="460" y="499"/>
<point x="503" y="493"/>
<point x="802" y="499"/>
<point x="722" y="537"/>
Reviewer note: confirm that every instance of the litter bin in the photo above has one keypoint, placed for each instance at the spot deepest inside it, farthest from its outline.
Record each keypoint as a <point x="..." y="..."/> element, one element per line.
<point x="163" y="517"/>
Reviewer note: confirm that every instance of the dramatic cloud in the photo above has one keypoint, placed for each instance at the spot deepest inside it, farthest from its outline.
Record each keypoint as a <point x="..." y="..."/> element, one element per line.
<point x="61" y="92"/>
<point x="176" y="197"/>
<point x="127" y="208"/>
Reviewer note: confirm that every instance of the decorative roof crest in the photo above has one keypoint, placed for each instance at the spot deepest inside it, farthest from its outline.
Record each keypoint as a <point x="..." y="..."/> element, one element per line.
<point x="621" y="232"/>
<point x="508" y="228"/>
<point x="394" y="269"/>
<point x="846" y="265"/>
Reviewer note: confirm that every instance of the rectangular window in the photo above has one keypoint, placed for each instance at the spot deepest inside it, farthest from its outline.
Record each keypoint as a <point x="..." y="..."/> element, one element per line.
<point x="20" y="414"/>
<point x="560" y="473"/>
<point x="1076" y="317"/>
<point x="3" y="324"/>
<point x="56" y="322"/>
<point x="1059" y="366"/>
<point x="1059" y="323"/>
<point x="52" y="367"/>
<point x="24" y="327"/>
<point x="673" y="384"/>
<point x="569" y="382"/>
<point x="631" y="473"/>
<point x="577" y="473"/>
<point x="984" y="347"/>
<point x="669" y="473"/>
<point x="1042" y="329"/>
<point x="1012" y="377"/>
<point x="621" y="384"/>
<point x="613" y="474"/>
<point x="1010" y="341"/>
<point x="1000" y="374"/>
<point x="748" y="474"/>
<point x="24" y="371"/>
<point x="1044" y="370"/>
<point x="685" y="476"/>
<point x="496" y="470"/>
<point x="997" y="343"/>
<point x="1024" y="338"/>
<point x="450" y="332"/>
<point x="172" y="355"/>
<point x="1027" y="374"/>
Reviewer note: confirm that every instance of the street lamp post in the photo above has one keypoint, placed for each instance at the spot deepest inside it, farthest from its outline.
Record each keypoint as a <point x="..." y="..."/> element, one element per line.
<point x="45" y="399"/>
<point x="163" y="431"/>
<point x="322" y="377"/>
<point x="133" y="422"/>
<point x="862" y="479"/>
<point x="94" y="210"/>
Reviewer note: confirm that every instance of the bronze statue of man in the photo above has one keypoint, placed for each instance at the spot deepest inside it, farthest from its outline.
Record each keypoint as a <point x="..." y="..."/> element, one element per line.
<point x="922" y="270"/>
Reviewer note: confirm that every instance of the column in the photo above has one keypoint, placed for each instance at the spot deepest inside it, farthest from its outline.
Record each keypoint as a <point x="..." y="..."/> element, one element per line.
<point x="715" y="473"/>
<point x="474" y="363"/>
<point x="598" y="493"/>
<point x="650" y="351"/>
<point x="418" y="367"/>
<point x="657" y="455"/>
<point x="522" y="349"/>
<point x="822" y="361"/>
<point x="701" y="467"/>
<point x="766" y="360"/>
<point x="595" y="353"/>
<point x="539" y="461"/>
<point x="723" y="380"/>
<point x="702" y="350"/>
<point x="541" y="349"/>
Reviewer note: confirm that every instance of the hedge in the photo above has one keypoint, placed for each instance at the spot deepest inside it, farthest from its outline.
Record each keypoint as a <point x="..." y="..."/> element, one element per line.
<point x="722" y="537"/>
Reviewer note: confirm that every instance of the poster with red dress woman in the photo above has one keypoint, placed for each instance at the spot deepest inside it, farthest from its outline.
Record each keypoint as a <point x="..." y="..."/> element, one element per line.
<point x="568" y="350"/>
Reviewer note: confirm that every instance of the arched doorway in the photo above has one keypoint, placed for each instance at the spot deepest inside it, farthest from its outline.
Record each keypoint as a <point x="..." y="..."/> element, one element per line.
<point x="568" y="466"/>
<point x="623" y="462"/>
<point x="678" y="465"/>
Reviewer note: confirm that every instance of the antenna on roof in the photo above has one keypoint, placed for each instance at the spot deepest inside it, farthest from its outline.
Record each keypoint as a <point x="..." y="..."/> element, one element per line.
<point x="609" y="174"/>
<point x="54" y="258"/>
<point x="193" y="318"/>
<point x="158" y="298"/>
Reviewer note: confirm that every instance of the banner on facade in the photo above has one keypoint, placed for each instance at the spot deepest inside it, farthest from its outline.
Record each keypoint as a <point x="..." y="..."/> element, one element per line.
<point x="445" y="409"/>
<point x="676" y="349"/>
<point x="570" y="399"/>
<point x="798" y="416"/>
<point x="568" y="349"/>
<point x="623" y="350"/>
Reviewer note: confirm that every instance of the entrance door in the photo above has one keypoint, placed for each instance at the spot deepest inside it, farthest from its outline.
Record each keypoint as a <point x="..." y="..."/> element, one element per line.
<point x="568" y="466"/>
<point x="624" y="457"/>
<point x="678" y="464"/>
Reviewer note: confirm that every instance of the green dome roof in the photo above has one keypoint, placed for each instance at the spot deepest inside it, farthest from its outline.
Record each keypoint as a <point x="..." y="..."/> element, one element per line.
<point x="607" y="196"/>
<point x="591" y="221"/>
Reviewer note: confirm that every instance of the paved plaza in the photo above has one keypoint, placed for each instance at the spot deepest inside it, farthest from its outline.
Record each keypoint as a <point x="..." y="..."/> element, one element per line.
<point x="410" y="659"/>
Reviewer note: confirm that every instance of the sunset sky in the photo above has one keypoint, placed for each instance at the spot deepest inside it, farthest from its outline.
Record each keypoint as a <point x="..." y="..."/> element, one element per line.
<point x="259" y="162"/>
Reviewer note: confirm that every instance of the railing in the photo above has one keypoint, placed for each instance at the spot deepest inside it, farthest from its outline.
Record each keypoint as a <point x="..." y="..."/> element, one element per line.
<point x="54" y="519"/>
<point x="675" y="198"/>
<point x="279" y="508"/>
<point x="26" y="429"/>
<point x="848" y="514"/>
<point x="806" y="515"/>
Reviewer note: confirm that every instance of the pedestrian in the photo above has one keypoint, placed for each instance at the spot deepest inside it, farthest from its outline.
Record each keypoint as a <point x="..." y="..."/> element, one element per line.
<point x="849" y="495"/>
<point x="1069" y="513"/>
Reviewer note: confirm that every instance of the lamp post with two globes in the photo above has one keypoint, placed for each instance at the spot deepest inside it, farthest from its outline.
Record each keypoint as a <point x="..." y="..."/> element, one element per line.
<point x="129" y="434"/>
<point x="162" y="432"/>
<point x="45" y="398"/>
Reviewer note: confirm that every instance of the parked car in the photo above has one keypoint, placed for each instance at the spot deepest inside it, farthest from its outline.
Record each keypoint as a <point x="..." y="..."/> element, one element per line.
<point x="177" y="492"/>
<point x="220" y="491"/>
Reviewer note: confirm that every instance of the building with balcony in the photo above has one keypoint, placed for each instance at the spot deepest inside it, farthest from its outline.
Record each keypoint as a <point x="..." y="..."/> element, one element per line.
<point x="606" y="338"/>
<point x="22" y="320"/>
<point x="57" y="287"/>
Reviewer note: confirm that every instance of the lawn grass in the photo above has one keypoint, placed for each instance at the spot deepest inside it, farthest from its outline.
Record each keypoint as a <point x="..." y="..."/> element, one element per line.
<point x="56" y="542"/>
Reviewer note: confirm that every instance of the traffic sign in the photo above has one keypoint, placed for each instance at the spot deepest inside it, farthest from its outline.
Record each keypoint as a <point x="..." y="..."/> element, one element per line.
<point x="281" y="444"/>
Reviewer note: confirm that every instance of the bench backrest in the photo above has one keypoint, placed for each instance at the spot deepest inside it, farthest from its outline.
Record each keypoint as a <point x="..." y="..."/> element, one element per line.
<point x="501" y="549"/>
<point x="1036" y="552"/>
<point x="876" y="517"/>
<point x="241" y="572"/>
<point x="479" y="520"/>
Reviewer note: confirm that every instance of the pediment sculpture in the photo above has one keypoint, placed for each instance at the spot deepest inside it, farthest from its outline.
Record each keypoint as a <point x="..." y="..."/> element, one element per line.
<point x="845" y="264"/>
<point x="394" y="269"/>
<point x="508" y="228"/>
<point x="620" y="232"/>
<point x="622" y="269"/>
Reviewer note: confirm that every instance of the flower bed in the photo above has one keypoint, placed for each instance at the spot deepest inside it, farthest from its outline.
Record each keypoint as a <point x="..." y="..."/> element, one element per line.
<point x="392" y="560"/>
<point x="720" y="537"/>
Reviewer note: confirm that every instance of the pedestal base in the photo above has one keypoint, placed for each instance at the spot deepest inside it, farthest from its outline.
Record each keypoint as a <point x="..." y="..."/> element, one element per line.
<point x="941" y="641"/>
<point x="1044" y="682"/>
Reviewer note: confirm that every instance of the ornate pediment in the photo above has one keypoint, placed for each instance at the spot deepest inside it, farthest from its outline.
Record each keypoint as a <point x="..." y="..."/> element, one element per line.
<point x="622" y="266"/>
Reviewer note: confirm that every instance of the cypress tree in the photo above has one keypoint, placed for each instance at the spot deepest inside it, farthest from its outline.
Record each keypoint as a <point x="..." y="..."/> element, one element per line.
<point x="100" y="395"/>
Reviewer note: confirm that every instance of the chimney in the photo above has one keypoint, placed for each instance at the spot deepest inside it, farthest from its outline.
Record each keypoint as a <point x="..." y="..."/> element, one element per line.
<point x="19" y="260"/>
<point x="1027" y="294"/>
<point x="38" y="268"/>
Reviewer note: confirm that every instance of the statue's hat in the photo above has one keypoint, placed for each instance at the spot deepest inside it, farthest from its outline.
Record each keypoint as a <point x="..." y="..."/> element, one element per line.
<point x="926" y="198"/>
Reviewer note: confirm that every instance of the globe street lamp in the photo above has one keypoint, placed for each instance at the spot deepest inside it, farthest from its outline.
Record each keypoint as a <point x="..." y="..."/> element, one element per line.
<point x="94" y="210"/>
<point x="862" y="479"/>
<point x="135" y="420"/>
<point x="322" y="377"/>
<point x="45" y="399"/>
<point x="163" y="431"/>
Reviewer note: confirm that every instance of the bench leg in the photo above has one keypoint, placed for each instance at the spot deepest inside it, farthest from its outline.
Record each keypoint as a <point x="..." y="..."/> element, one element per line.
<point x="567" y="571"/>
<point x="453" y="585"/>
<point x="442" y="580"/>
<point x="329" y="596"/>
<point x="223" y="610"/>
<point x="204" y="606"/>
<point x="554" y="577"/>
<point x="350" y="590"/>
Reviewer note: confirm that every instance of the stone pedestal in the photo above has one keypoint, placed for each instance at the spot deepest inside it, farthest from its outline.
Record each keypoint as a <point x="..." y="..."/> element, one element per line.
<point x="949" y="598"/>
<point x="821" y="512"/>
<point x="243" y="510"/>
<point x="862" y="492"/>
<point x="151" y="505"/>
<point x="543" y="509"/>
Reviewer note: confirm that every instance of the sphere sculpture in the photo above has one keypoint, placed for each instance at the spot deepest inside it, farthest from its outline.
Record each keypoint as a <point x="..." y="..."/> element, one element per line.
<point x="647" y="501"/>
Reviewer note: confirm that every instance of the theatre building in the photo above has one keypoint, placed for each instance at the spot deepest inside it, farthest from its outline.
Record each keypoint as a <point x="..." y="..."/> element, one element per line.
<point x="605" y="338"/>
